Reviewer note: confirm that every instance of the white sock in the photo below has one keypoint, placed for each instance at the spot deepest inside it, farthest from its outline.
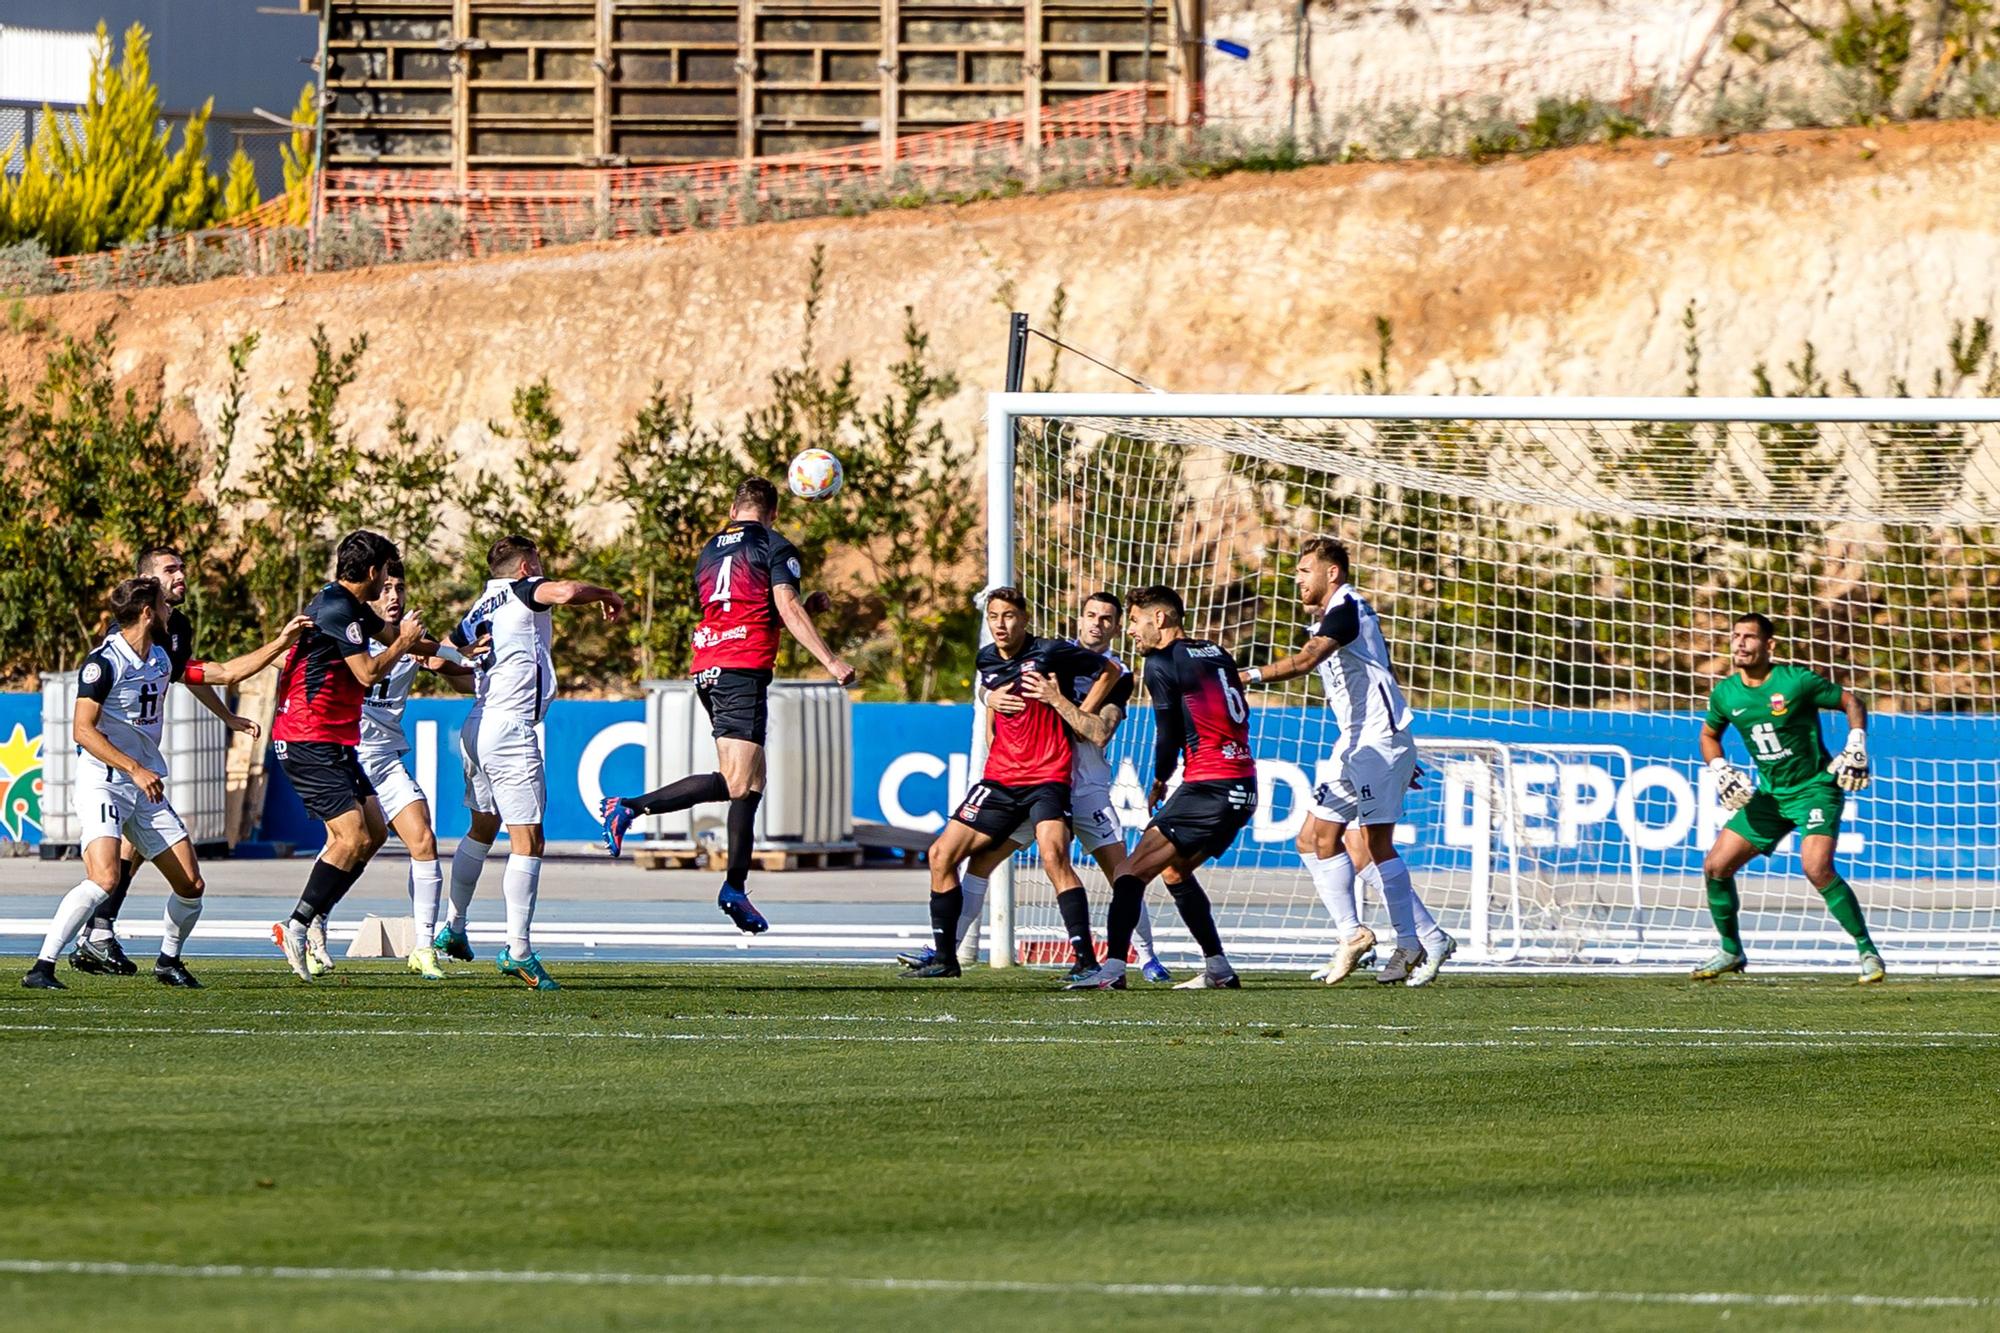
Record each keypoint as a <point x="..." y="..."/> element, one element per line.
<point x="426" y="883"/>
<point x="1218" y="965"/>
<point x="974" y="889"/>
<point x="71" y="913"/>
<point x="524" y="876"/>
<point x="1396" y="879"/>
<point x="969" y="917"/>
<point x="1333" y="876"/>
<point x="466" y="863"/>
<point x="1397" y="898"/>
<point x="1142" y="936"/>
<point x="103" y="934"/>
<point x="182" y="913"/>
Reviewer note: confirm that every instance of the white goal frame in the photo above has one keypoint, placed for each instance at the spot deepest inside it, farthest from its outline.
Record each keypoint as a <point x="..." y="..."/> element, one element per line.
<point x="1006" y="409"/>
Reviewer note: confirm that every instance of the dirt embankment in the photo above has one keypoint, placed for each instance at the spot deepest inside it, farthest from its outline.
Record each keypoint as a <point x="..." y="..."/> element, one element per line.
<point x="1565" y="273"/>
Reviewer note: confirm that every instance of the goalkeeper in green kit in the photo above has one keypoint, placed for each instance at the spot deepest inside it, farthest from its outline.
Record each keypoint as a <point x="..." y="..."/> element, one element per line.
<point x="1776" y="708"/>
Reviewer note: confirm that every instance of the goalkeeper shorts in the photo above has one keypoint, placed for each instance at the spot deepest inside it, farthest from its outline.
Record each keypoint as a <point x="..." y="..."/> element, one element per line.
<point x="1813" y="809"/>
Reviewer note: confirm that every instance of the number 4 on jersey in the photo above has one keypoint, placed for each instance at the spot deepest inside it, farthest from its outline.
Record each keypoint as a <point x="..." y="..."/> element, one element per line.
<point x="721" y="593"/>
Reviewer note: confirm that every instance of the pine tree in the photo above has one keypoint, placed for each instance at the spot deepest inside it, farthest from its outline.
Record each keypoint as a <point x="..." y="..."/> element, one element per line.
<point x="110" y="177"/>
<point x="239" y="195"/>
<point x="298" y="158"/>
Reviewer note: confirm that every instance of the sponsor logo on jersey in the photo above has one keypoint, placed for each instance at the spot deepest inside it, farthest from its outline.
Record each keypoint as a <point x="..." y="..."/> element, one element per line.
<point x="1778" y="705"/>
<point x="708" y="638"/>
<point x="354" y="633"/>
<point x="91" y="672"/>
<point x="793" y="565"/>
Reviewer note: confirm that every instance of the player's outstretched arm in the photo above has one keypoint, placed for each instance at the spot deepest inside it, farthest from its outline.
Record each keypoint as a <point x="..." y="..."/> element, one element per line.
<point x="575" y="592"/>
<point x="793" y="612"/>
<point x="239" y="669"/>
<point x="1301" y="663"/>
<point x="1850" y="767"/>
<point x="83" y="726"/>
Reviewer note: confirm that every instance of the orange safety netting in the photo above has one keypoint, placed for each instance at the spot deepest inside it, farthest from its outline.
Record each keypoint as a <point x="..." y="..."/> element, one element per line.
<point x="379" y="214"/>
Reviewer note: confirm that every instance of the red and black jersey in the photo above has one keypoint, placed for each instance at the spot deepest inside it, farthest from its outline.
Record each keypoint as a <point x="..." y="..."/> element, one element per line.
<point x="1200" y="713"/>
<point x="733" y="580"/>
<point x="319" y="697"/>
<point x="1032" y="746"/>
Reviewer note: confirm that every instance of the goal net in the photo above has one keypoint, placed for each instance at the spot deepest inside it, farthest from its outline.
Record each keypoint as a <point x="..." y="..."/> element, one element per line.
<point x="1556" y="580"/>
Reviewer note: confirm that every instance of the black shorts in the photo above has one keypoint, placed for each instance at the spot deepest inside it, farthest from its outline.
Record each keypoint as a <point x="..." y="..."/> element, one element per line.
<point x="734" y="698"/>
<point x="1203" y="818"/>
<point x="998" y="810"/>
<point x="327" y="776"/>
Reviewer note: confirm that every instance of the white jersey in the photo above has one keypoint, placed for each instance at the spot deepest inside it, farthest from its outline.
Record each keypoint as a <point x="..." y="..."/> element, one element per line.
<point x="382" y="707"/>
<point x="131" y="692"/>
<point x="1089" y="766"/>
<point x="1361" y="688"/>
<point x="517" y="677"/>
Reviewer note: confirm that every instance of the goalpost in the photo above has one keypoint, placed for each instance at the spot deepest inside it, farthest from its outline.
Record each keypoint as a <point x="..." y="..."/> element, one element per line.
<point x="1556" y="579"/>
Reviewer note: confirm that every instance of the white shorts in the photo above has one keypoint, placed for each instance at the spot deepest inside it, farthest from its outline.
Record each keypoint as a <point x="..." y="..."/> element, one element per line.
<point x="394" y="787"/>
<point x="504" y="774"/>
<point x="1092" y="819"/>
<point x="114" y="808"/>
<point x="1372" y="783"/>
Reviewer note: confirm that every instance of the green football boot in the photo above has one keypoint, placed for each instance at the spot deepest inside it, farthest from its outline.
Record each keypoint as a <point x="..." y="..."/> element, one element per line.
<point x="529" y="970"/>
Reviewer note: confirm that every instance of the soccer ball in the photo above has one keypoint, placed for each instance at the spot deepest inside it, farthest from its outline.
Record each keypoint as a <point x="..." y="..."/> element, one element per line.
<point x="815" y="475"/>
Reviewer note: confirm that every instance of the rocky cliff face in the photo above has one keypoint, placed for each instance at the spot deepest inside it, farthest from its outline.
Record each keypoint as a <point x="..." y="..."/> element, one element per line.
<point x="1561" y="274"/>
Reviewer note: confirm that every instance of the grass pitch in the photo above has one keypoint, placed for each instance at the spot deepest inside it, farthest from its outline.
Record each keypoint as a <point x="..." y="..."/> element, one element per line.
<point x="763" y="1146"/>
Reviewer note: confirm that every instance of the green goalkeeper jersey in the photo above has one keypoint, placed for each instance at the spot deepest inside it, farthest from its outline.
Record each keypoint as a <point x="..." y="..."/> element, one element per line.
<point x="1779" y="720"/>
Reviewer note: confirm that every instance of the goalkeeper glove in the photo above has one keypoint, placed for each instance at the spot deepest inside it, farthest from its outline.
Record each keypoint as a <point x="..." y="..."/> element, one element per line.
<point x="1850" y="767"/>
<point x="1732" y="788"/>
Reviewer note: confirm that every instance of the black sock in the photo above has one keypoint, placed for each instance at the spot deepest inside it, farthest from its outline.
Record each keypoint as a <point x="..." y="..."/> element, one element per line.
<point x="742" y="835"/>
<point x="1191" y="901"/>
<point x="1128" y="895"/>
<point x="325" y="883"/>
<point x="945" y="908"/>
<point x="107" y="911"/>
<point x="347" y="879"/>
<point x="695" y="789"/>
<point x="1074" y="904"/>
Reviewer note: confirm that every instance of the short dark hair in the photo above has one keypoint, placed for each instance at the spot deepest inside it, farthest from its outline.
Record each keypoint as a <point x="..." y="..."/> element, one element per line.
<point x="130" y="598"/>
<point x="756" y="491"/>
<point x="153" y="555"/>
<point x="1159" y="594"/>
<point x="1329" y="549"/>
<point x="1108" y="598"/>
<point x="1763" y="623"/>
<point x="508" y="553"/>
<point x="394" y="569"/>
<point x="1009" y="595"/>
<point x="359" y="552"/>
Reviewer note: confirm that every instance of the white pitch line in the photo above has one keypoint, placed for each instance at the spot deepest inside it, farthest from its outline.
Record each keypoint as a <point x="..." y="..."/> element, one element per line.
<point x="1193" y="1025"/>
<point x="983" y="1286"/>
<point x="1518" y="1043"/>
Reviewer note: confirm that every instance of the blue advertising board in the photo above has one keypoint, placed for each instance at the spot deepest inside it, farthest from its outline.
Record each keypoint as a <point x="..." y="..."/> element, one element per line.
<point x="1610" y="789"/>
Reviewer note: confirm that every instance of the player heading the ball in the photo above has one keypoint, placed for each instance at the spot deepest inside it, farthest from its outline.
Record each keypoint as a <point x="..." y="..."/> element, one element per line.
<point x="1776" y="708"/>
<point x="746" y="581"/>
